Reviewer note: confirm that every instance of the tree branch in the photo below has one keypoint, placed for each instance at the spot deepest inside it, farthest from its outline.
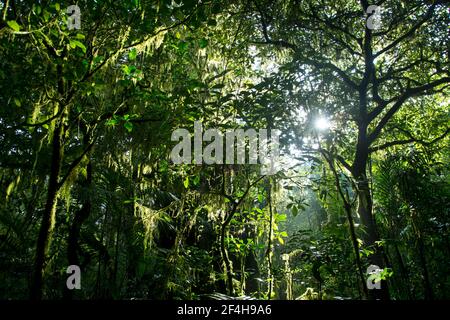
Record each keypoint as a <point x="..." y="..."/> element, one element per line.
<point x="399" y="102"/>
<point x="237" y="203"/>
<point x="410" y="32"/>
<point x="339" y="158"/>
<point x="411" y="140"/>
<point x="74" y="164"/>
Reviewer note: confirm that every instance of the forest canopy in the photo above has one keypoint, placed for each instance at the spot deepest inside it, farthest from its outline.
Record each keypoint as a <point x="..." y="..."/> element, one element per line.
<point x="317" y="135"/>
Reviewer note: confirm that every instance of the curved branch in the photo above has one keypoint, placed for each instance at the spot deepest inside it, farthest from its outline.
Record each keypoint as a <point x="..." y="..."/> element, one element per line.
<point x="410" y="32"/>
<point x="419" y="90"/>
<point x="411" y="140"/>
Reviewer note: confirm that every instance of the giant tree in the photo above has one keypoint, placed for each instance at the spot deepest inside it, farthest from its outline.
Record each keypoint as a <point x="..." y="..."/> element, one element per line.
<point x="359" y="74"/>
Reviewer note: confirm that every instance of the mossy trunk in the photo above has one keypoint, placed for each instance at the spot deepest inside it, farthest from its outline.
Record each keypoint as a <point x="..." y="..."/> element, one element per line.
<point x="75" y="229"/>
<point x="48" y="215"/>
<point x="365" y="211"/>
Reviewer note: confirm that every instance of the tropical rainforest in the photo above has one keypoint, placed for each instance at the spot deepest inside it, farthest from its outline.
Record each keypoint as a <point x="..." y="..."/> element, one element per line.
<point x="91" y="93"/>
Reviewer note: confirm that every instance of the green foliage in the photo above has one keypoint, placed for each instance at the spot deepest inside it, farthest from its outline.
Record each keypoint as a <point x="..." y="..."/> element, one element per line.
<point x="86" y="120"/>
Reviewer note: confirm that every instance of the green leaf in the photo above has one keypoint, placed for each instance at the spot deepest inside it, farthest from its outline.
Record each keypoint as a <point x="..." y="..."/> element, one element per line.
<point x="132" y="54"/>
<point x="76" y="43"/>
<point x="294" y="211"/>
<point x="46" y="15"/>
<point x="260" y="198"/>
<point x="132" y="69"/>
<point x="386" y="273"/>
<point x="13" y="25"/>
<point x="17" y="102"/>
<point x="186" y="182"/>
<point x="196" y="180"/>
<point x="126" y="69"/>
<point x="203" y="43"/>
<point x="182" y="46"/>
<point x="81" y="46"/>
<point x="37" y="9"/>
<point x="80" y="36"/>
<point x="111" y="122"/>
<point x="129" y="126"/>
<point x="57" y="7"/>
<point x="258" y="210"/>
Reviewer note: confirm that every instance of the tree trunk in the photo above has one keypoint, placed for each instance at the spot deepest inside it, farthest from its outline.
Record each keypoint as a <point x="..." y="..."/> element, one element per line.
<point x="75" y="229"/>
<point x="370" y="234"/>
<point x="269" y="243"/>
<point x="348" y="211"/>
<point x="226" y="259"/>
<point x="351" y="227"/>
<point x="48" y="217"/>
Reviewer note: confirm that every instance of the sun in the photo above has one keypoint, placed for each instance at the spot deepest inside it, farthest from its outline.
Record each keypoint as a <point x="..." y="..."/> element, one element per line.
<point x="321" y="123"/>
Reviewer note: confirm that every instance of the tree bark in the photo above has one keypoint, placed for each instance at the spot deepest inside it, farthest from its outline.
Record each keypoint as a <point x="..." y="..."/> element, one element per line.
<point x="348" y="211"/>
<point x="226" y="259"/>
<point x="370" y="235"/>
<point x="48" y="217"/>
<point x="75" y="229"/>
